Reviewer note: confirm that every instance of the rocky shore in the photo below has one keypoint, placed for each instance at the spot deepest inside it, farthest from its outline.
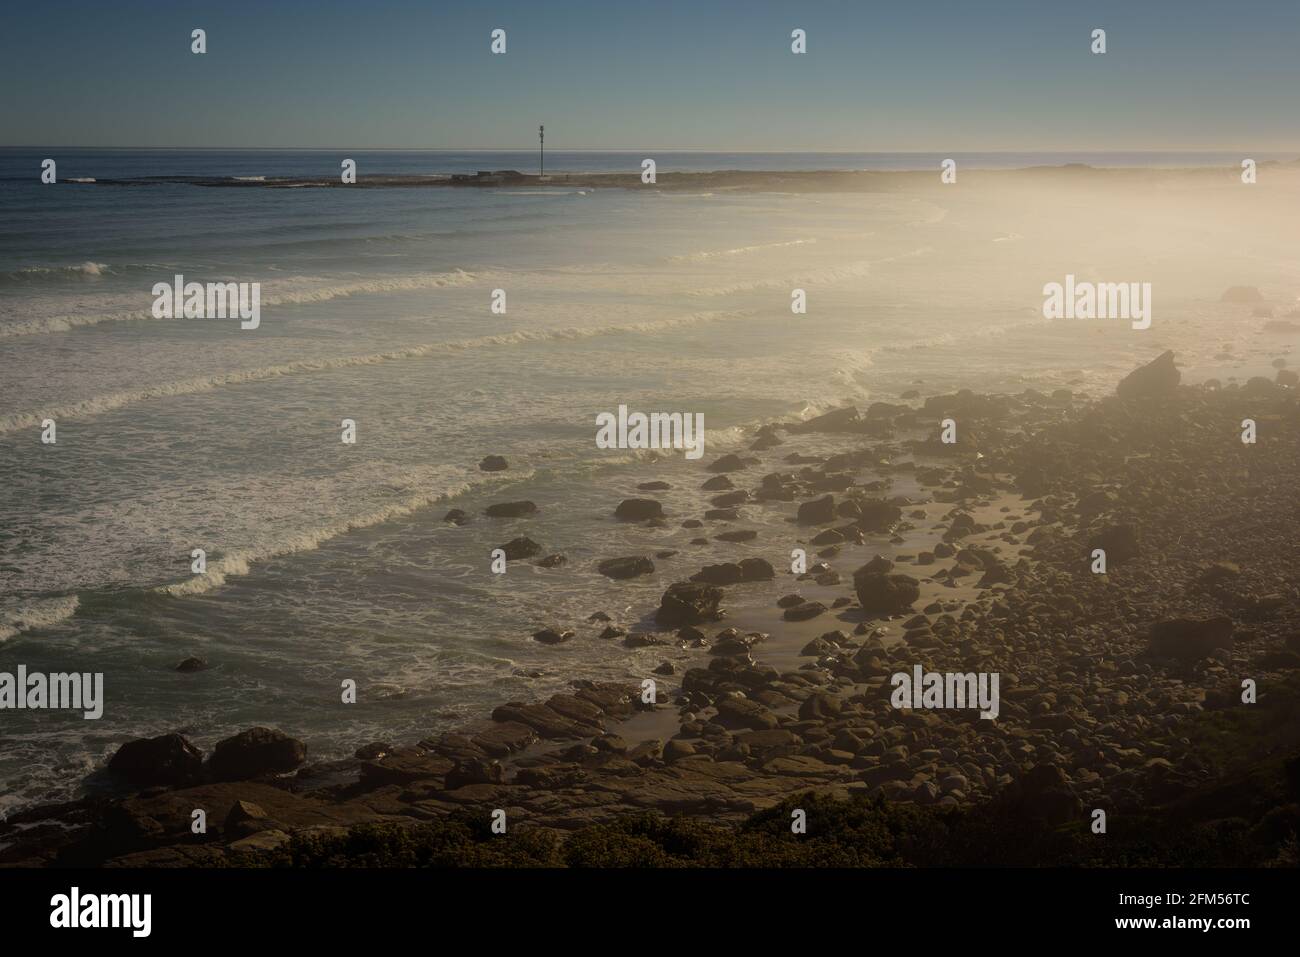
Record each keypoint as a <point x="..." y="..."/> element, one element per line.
<point x="1121" y="690"/>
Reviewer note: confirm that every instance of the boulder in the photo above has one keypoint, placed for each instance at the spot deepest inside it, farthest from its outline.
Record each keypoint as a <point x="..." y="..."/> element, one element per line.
<point x="756" y="570"/>
<point x="510" y="509"/>
<point x="728" y="573"/>
<point x="638" y="510"/>
<point x="522" y="547"/>
<point x="243" y="819"/>
<point x="819" y="511"/>
<point x="255" y="752"/>
<point x="552" y="636"/>
<point x="878" y="516"/>
<point x="1158" y="377"/>
<point x="805" y="611"/>
<point x="742" y="713"/>
<point x="689" y="603"/>
<point x="630" y="567"/>
<point x="729" y="463"/>
<point x="168" y="759"/>
<point x="493" y="463"/>
<point x="880" y="593"/>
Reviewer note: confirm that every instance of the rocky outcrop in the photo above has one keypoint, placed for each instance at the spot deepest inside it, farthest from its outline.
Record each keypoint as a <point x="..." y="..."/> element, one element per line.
<point x="1159" y="377"/>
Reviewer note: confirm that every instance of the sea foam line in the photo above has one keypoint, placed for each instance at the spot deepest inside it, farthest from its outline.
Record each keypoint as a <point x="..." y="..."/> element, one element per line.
<point x="98" y="405"/>
<point x="37" y="614"/>
<point x="299" y="297"/>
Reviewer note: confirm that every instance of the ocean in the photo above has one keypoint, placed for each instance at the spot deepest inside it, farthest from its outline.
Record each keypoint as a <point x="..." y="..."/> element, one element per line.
<point x="328" y="561"/>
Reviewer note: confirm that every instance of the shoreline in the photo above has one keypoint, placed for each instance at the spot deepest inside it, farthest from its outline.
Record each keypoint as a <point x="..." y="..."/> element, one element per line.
<point x="1005" y="595"/>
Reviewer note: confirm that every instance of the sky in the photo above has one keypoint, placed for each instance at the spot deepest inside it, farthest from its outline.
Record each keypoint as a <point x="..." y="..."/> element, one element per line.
<point x="903" y="75"/>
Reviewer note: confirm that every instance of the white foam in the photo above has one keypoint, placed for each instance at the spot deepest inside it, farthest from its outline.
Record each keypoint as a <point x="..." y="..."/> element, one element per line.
<point x="297" y="290"/>
<point x="37" y="614"/>
<point x="116" y="400"/>
<point x="738" y="251"/>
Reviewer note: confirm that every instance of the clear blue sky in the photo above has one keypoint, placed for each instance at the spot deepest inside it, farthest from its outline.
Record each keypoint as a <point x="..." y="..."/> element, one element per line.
<point x="708" y="74"/>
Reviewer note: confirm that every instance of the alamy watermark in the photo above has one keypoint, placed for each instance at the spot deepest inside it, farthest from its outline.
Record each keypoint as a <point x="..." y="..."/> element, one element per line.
<point x="75" y="691"/>
<point x="212" y="300"/>
<point x="940" y="690"/>
<point x="658" y="430"/>
<point x="1102" y="300"/>
<point x="75" y="910"/>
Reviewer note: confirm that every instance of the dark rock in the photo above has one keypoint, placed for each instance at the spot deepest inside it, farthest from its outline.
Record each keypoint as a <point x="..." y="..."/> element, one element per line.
<point x="522" y="547"/>
<point x="756" y="570"/>
<point x="819" y="511"/>
<point x="809" y="609"/>
<point x="878" y="516"/>
<point x="638" y="510"/>
<point x="168" y="759"/>
<point x="1190" y="639"/>
<point x="885" y="594"/>
<point x="473" y="772"/>
<point x="255" y="752"/>
<point x="192" y="664"/>
<point x="728" y="573"/>
<point x="510" y="509"/>
<point x="1158" y="377"/>
<point x="243" y="819"/>
<point x="494" y="463"/>
<point x="689" y="603"/>
<point x="630" y="567"/>
<point x="737" y="713"/>
<point x="1118" y="541"/>
<point x="729" y="463"/>
<point x="551" y="636"/>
